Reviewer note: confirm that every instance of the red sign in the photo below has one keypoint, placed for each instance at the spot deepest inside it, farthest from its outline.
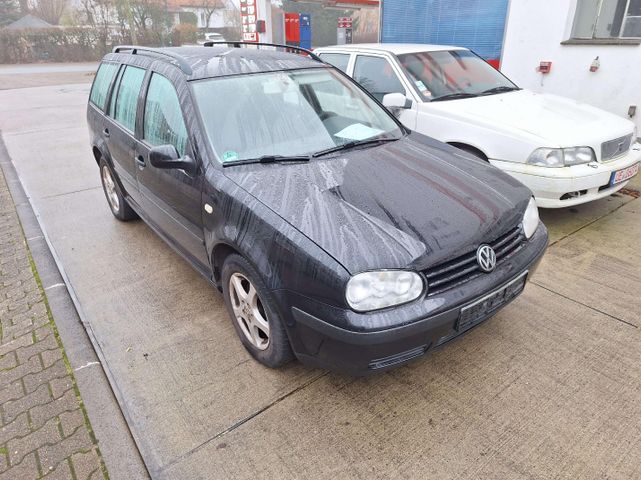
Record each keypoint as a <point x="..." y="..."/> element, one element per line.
<point x="248" y="19"/>
<point x="345" y="22"/>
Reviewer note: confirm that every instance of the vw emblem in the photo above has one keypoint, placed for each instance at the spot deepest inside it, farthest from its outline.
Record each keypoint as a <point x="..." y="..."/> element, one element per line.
<point x="486" y="258"/>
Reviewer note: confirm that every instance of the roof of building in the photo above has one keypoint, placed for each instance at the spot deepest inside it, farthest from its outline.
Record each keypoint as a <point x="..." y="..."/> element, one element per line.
<point x="223" y="60"/>
<point x="395" y="48"/>
<point x="28" y="22"/>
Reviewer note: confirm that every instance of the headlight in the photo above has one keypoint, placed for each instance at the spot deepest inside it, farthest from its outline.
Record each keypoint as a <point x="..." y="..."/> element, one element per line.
<point x="577" y="155"/>
<point x="561" y="157"/>
<point x="373" y="290"/>
<point x="530" y="218"/>
<point x="546" y="157"/>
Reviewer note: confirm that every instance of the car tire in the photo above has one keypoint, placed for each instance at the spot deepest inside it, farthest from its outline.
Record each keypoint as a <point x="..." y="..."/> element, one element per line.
<point x="253" y="313"/>
<point x="115" y="199"/>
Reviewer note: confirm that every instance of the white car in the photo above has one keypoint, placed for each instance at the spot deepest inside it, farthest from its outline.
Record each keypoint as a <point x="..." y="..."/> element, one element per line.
<point x="213" y="37"/>
<point x="565" y="151"/>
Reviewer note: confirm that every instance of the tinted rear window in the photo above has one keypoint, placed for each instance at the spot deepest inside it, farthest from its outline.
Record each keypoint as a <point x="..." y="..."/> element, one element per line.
<point x="123" y="110"/>
<point x="101" y="83"/>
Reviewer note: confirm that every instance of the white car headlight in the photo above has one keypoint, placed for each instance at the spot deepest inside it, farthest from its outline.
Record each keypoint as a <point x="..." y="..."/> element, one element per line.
<point x="530" y="218"/>
<point x="546" y="157"/>
<point x="561" y="157"/>
<point x="578" y="155"/>
<point x="373" y="290"/>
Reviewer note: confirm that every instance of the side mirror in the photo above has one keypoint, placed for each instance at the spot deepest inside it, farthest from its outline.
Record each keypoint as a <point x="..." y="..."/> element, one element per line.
<point x="396" y="100"/>
<point x="166" y="157"/>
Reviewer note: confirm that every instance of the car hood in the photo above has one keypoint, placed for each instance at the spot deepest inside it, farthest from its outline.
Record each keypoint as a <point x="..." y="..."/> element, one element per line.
<point x="410" y="203"/>
<point x="557" y="121"/>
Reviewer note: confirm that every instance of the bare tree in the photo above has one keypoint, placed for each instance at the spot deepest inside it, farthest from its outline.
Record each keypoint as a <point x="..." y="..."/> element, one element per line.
<point x="9" y="11"/>
<point x="99" y="14"/>
<point x="49" y="10"/>
<point x="24" y="6"/>
<point x="209" y="8"/>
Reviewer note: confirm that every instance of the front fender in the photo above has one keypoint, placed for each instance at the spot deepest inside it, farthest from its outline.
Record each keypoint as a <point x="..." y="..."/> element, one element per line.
<point x="285" y="257"/>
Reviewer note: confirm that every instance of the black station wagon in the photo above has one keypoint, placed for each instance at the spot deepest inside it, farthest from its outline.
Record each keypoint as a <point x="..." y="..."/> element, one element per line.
<point x="336" y="235"/>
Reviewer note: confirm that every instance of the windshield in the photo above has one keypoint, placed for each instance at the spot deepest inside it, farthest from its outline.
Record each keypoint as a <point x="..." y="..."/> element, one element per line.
<point x="288" y="113"/>
<point x="444" y="73"/>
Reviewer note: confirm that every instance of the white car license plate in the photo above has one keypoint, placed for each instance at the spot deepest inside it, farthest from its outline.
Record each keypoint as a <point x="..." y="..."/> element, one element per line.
<point x="624" y="174"/>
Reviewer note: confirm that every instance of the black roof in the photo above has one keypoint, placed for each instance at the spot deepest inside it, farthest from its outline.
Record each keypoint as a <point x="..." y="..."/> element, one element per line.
<point x="222" y="60"/>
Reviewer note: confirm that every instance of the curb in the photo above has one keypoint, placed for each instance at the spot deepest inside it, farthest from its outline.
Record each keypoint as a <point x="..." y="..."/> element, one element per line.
<point x="117" y="445"/>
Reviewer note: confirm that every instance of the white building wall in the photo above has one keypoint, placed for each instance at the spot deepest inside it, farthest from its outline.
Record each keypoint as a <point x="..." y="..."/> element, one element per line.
<point x="534" y="32"/>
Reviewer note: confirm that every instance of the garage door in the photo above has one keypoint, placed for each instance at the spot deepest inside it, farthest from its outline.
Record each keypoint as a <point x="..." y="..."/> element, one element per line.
<point x="475" y="24"/>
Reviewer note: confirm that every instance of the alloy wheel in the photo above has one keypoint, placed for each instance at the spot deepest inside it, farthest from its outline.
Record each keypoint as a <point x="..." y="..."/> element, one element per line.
<point x="249" y="311"/>
<point x="110" y="189"/>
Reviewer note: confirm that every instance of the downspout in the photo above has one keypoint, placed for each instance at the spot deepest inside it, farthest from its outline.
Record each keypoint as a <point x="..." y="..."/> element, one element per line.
<point x="507" y="19"/>
<point x="380" y="21"/>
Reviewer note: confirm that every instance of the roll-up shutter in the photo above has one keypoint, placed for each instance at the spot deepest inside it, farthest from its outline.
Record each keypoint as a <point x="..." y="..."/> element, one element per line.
<point x="475" y="24"/>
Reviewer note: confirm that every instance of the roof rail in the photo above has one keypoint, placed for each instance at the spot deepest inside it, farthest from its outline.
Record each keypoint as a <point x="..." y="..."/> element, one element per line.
<point x="179" y="60"/>
<point x="259" y="44"/>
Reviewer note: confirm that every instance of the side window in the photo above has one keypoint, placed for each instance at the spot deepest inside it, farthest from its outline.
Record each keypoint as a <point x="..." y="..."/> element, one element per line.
<point x="377" y="76"/>
<point x="339" y="60"/>
<point x="101" y="84"/>
<point x="607" y="19"/>
<point x="164" y="122"/>
<point x="125" y="99"/>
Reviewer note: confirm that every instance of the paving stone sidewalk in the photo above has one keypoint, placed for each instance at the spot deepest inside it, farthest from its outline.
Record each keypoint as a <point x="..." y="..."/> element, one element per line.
<point x="44" y="429"/>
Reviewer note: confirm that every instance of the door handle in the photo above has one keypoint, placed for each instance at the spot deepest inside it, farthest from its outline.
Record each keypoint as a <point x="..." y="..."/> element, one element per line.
<point x="140" y="161"/>
<point x="105" y="132"/>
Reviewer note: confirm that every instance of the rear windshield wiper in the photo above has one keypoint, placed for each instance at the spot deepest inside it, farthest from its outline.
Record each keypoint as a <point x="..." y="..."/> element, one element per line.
<point x="352" y="144"/>
<point x="454" y="96"/>
<point x="500" y="89"/>
<point x="269" y="159"/>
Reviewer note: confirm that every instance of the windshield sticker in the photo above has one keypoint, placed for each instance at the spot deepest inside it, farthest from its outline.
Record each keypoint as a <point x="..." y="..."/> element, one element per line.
<point x="423" y="89"/>
<point x="230" y="156"/>
<point x="358" y="131"/>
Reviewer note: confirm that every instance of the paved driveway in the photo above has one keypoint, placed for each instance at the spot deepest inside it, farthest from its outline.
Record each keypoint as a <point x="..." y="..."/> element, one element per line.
<point x="549" y="387"/>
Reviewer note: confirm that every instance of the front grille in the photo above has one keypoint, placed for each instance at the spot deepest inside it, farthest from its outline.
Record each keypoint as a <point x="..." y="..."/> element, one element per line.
<point x="614" y="148"/>
<point x="464" y="268"/>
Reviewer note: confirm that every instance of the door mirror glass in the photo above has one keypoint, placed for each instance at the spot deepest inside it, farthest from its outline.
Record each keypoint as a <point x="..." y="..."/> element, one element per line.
<point x="166" y="157"/>
<point x="396" y="100"/>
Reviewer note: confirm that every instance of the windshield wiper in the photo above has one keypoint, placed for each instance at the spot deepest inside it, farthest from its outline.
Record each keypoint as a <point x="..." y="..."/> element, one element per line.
<point x="454" y="96"/>
<point x="501" y="89"/>
<point x="269" y="159"/>
<point x="352" y="144"/>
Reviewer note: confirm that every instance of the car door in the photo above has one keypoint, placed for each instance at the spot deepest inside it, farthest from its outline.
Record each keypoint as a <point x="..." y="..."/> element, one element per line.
<point x="98" y="96"/>
<point x="379" y="76"/>
<point x="120" y="126"/>
<point x="171" y="198"/>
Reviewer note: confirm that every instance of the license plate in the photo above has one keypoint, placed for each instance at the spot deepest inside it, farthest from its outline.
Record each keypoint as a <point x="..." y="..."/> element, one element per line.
<point x="624" y="174"/>
<point x="481" y="309"/>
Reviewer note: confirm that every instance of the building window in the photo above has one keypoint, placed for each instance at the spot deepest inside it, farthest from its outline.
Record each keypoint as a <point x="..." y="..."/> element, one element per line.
<point x="600" y="19"/>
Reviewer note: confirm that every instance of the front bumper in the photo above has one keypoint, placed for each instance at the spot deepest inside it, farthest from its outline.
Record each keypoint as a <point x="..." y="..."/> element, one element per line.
<point x="376" y="341"/>
<point x="568" y="186"/>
